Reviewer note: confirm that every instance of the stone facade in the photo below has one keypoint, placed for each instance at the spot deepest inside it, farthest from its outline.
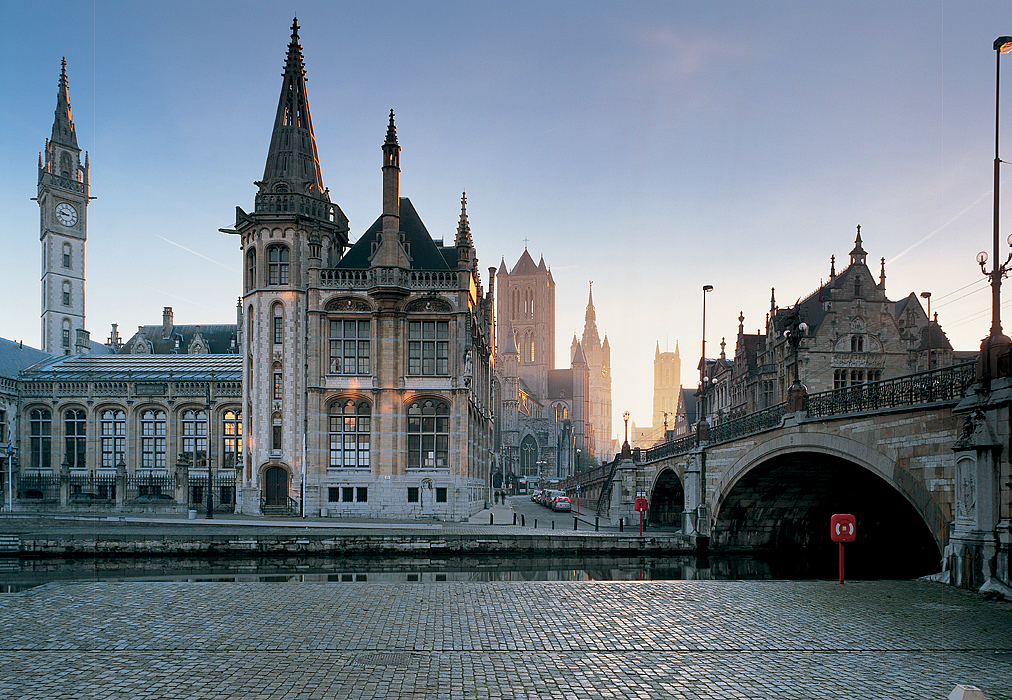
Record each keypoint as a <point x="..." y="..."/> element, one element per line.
<point x="367" y="368"/>
<point x="855" y="335"/>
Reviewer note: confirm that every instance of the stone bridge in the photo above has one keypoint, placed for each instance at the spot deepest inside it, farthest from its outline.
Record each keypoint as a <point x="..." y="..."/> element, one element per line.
<point x="921" y="461"/>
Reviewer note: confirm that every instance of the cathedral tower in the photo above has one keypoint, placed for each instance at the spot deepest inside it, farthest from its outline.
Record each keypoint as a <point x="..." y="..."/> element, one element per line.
<point x="598" y="356"/>
<point x="63" y="197"/>
<point x="283" y="243"/>
<point x="667" y="388"/>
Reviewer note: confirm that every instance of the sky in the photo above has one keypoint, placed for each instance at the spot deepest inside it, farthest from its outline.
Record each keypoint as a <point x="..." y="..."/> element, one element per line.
<point x="649" y="147"/>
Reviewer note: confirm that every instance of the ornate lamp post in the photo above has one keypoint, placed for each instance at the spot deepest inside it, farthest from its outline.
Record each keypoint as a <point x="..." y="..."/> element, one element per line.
<point x="207" y="457"/>
<point x="626" y="450"/>
<point x="996" y="343"/>
<point x="794" y="332"/>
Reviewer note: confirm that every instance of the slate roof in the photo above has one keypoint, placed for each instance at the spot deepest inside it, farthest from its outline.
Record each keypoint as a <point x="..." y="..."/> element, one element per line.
<point x="15" y="357"/>
<point x="425" y="254"/>
<point x="560" y="384"/>
<point x="138" y="368"/>
<point x="525" y="265"/>
<point x="219" y="339"/>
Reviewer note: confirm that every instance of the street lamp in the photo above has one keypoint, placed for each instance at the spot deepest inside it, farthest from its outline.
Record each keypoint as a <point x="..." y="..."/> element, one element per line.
<point x="626" y="450"/>
<point x="996" y="343"/>
<point x="702" y="361"/>
<point x="927" y="295"/>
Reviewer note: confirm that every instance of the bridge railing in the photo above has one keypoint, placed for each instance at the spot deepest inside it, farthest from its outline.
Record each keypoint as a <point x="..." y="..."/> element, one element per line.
<point x="756" y="422"/>
<point x="675" y="447"/>
<point x="945" y="384"/>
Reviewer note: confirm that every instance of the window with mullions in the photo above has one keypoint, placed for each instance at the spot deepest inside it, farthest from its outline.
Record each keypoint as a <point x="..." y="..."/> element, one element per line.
<point x="153" y="439"/>
<point x="195" y="437"/>
<point x="278" y="325"/>
<point x="231" y="441"/>
<point x="41" y="428"/>
<point x="113" y="437"/>
<point x="277" y="265"/>
<point x="349" y="347"/>
<point x="428" y="435"/>
<point x="429" y="348"/>
<point x="350" y="424"/>
<point x="75" y="433"/>
<point x="251" y="268"/>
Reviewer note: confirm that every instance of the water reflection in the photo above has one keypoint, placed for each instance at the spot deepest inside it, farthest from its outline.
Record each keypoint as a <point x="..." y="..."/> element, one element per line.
<point x="17" y="575"/>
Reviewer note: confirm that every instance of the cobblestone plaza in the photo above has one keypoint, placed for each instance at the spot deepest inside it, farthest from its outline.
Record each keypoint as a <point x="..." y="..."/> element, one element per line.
<point x="666" y="639"/>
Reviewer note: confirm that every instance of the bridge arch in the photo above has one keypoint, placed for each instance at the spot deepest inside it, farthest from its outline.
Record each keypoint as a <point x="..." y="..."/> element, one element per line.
<point x="778" y="493"/>
<point x="666" y="498"/>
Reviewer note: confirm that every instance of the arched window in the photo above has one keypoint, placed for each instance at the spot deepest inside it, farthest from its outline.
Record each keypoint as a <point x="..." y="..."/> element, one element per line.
<point x="65" y="165"/>
<point x="66" y="255"/>
<point x="350" y="423"/>
<point x="428" y="435"/>
<point x="251" y="269"/>
<point x="277" y="265"/>
<point x="231" y="439"/>
<point x="278" y="324"/>
<point x="857" y="343"/>
<point x="153" y="439"/>
<point x="279" y="383"/>
<point x="66" y="293"/>
<point x="40" y="423"/>
<point x="65" y="334"/>
<point x="75" y="434"/>
<point x="195" y="437"/>
<point x="528" y="457"/>
<point x="113" y="437"/>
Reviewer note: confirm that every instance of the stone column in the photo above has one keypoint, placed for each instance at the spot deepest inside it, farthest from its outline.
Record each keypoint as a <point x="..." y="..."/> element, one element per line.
<point x="65" y="482"/>
<point x="182" y="477"/>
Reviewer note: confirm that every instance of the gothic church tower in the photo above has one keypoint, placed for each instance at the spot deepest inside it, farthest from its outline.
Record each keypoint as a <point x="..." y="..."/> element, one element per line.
<point x="63" y="212"/>
<point x="667" y="388"/>
<point x="283" y="240"/>
<point x="598" y="356"/>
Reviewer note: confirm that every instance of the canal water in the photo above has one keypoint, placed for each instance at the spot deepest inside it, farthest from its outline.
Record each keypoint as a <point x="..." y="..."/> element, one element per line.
<point x="21" y="574"/>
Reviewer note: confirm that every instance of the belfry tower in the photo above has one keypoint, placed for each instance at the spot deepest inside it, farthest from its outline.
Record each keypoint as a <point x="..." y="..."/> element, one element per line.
<point x="284" y="239"/>
<point x="63" y="217"/>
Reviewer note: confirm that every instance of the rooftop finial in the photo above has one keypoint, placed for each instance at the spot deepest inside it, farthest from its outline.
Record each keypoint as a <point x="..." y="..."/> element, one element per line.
<point x="391" y="132"/>
<point x="295" y="29"/>
<point x="463" y="227"/>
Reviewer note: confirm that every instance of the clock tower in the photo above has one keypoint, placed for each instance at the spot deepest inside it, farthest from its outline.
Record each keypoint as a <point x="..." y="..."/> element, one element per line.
<point x="63" y="212"/>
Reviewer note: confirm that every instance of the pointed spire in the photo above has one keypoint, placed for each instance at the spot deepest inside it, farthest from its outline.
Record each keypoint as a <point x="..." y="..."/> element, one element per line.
<point x="63" y="123"/>
<point x="292" y="159"/>
<point x="773" y="299"/>
<point x="510" y="346"/>
<point x="676" y="348"/>
<point x="463" y="227"/>
<point x="657" y="350"/>
<point x="741" y="323"/>
<point x="882" y="276"/>
<point x="859" y="254"/>
<point x="832" y="267"/>
<point x="502" y="267"/>
<point x="578" y="357"/>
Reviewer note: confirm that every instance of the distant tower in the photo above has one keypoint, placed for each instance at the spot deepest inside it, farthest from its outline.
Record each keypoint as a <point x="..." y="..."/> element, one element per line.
<point x="667" y="387"/>
<point x="63" y="212"/>
<point x="527" y="300"/>
<point x="598" y="357"/>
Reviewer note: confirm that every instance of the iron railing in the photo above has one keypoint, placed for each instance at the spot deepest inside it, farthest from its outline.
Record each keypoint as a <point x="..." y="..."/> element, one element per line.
<point x="937" y="385"/>
<point x="757" y="422"/>
<point x="44" y="486"/>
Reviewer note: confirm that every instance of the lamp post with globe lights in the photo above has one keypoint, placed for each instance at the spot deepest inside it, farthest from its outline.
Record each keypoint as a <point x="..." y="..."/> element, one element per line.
<point x="996" y="344"/>
<point x="795" y="331"/>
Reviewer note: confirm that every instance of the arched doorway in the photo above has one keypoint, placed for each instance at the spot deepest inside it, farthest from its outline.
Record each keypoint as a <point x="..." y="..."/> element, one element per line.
<point x="782" y="507"/>
<point x="276" y="486"/>
<point x="667" y="500"/>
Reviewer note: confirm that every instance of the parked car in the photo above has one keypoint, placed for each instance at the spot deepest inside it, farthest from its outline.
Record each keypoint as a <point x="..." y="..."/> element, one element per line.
<point x="549" y="501"/>
<point x="535" y="495"/>
<point x="562" y="504"/>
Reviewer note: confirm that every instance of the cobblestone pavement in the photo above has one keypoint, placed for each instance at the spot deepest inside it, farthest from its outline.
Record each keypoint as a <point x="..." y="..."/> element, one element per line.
<point x="669" y="639"/>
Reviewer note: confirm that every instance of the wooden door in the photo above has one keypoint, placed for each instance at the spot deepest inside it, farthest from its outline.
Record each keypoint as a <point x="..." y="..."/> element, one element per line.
<point x="277" y="486"/>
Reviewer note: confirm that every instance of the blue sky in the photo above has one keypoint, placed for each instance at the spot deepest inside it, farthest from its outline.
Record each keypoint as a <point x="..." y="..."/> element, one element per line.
<point x="652" y="147"/>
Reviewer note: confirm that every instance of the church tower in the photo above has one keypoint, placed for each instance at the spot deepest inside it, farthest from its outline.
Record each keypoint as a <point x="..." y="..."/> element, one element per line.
<point x="527" y="300"/>
<point x="63" y="198"/>
<point x="283" y="243"/>
<point x="598" y="358"/>
<point x="667" y="388"/>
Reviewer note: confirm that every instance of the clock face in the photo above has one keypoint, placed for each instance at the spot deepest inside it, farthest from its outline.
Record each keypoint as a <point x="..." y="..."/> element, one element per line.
<point x="66" y="214"/>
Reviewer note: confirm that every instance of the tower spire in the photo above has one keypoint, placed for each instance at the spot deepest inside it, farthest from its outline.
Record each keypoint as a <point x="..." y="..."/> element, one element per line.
<point x="292" y="160"/>
<point x="63" y="123"/>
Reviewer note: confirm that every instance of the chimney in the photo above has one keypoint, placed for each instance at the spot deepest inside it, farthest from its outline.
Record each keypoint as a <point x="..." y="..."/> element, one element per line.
<point x="166" y="322"/>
